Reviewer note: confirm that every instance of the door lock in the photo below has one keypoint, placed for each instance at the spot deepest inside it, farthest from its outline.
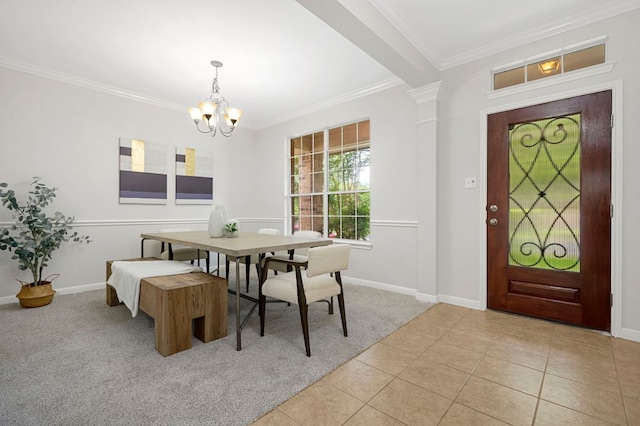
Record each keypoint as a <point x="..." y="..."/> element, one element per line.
<point x="493" y="208"/>
<point x="493" y="221"/>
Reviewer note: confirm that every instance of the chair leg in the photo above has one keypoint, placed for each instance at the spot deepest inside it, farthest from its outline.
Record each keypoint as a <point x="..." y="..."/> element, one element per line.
<point x="247" y="268"/>
<point x="343" y="315"/>
<point x="305" y="327"/>
<point x="226" y="268"/>
<point x="261" y="308"/>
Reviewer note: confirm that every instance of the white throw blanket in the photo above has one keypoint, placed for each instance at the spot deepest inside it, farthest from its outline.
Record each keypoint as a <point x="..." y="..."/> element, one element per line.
<point x="126" y="276"/>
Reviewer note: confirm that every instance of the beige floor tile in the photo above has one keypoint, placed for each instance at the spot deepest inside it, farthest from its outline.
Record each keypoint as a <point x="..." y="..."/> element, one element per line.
<point x="439" y="378"/>
<point x="586" y="399"/>
<point x="505" y="373"/>
<point x="626" y="350"/>
<point x="514" y="323"/>
<point x="459" y="415"/>
<point x="321" y="404"/>
<point x="629" y="377"/>
<point x="526" y="339"/>
<point x="594" y="371"/>
<point x="426" y="326"/>
<point x="498" y="401"/>
<point x="535" y="326"/>
<point x="453" y="356"/>
<point x="368" y="416"/>
<point x="582" y="336"/>
<point x="483" y="326"/>
<point x="600" y="353"/>
<point x="386" y="358"/>
<point x="448" y="315"/>
<point x="627" y="360"/>
<point x="276" y="418"/>
<point x="549" y="414"/>
<point x="411" y="404"/>
<point x="408" y="342"/>
<point x="530" y="356"/>
<point x="473" y="340"/>
<point x="359" y="380"/>
<point x="632" y="407"/>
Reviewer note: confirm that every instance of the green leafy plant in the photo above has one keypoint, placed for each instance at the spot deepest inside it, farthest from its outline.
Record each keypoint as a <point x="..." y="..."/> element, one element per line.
<point x="231" y="227"/>
<point x="35" y="236"/>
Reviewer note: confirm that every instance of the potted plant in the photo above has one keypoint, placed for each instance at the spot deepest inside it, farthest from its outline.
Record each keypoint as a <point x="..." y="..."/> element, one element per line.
<point x="231" y="229"/>
<point x="34" y="237"/>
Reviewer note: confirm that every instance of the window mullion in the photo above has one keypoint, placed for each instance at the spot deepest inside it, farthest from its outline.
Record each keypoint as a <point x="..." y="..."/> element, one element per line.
<point x="325" y="192"/>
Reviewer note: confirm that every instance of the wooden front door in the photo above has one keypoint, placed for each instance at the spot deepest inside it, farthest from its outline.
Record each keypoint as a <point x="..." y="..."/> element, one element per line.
<point x="549" y="211"/>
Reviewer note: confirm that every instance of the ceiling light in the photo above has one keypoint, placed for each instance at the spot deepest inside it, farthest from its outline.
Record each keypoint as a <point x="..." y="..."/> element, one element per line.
<point x="215" y="110"/>
<point x="549" y="66"/>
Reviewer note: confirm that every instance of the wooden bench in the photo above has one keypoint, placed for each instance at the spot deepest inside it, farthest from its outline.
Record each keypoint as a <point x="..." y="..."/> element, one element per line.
<point x="182" y="305"/>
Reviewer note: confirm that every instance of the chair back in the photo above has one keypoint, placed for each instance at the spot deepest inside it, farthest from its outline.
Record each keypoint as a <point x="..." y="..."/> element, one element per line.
<point x="327" y="259"/>
<point x="269" y="231"/>
<point x="308" y="234"/>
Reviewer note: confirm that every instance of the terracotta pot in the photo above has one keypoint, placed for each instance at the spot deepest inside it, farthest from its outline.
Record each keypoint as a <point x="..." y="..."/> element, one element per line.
<point x="33" y="297"/>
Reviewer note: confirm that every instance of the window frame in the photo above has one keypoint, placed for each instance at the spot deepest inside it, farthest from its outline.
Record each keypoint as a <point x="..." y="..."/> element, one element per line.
<point x="326" y="192"/>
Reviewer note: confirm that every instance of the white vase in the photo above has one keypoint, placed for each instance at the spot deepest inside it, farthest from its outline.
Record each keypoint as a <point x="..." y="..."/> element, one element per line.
<point x="216" y="224"/>
<point x="223" y="209"/>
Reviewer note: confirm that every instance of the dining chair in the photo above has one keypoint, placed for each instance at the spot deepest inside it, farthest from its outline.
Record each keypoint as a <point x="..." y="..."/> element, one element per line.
<point x="305" y="286"/>
<point x="254" y="259"/>
<point x="181" y="253"/>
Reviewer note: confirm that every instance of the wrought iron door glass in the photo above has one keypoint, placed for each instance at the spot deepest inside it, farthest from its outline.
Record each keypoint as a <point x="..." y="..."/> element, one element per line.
<point x="544" y="194"/>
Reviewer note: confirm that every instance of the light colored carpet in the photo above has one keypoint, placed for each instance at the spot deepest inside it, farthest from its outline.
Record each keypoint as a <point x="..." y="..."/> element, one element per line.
<point x="80" y="362"/>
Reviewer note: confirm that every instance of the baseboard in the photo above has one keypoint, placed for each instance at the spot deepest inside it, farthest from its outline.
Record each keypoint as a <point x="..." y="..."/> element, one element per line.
<point x="460" y="301"/>
<point x="65" y="290"/>
<point x="81" y="288"/>
<point x="380" y="286"/>
<point x="630" y="334"/>
<point x="5" y="300"/>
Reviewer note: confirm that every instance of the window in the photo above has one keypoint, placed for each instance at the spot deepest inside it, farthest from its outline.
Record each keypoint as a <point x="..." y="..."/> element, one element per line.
<point x="329" y="187"/>
<point x="570" y="59"/>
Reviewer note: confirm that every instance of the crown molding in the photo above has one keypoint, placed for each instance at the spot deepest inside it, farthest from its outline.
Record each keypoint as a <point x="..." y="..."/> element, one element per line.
<point x="355" y="94"/>
<point x="551" y="29"/>
<point x="87" y="84"/>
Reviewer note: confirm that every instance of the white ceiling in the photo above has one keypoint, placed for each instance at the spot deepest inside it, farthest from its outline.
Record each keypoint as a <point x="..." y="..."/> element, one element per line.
<point x="281" y="58"/>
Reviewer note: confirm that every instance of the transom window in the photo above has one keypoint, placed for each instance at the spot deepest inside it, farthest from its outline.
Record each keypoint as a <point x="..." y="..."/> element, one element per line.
<point x="329" y="186"/>
<point x="561" y="61"/>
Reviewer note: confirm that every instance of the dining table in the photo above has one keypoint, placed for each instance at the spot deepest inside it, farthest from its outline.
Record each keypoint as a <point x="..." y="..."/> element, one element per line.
<point x="244" y="244"/>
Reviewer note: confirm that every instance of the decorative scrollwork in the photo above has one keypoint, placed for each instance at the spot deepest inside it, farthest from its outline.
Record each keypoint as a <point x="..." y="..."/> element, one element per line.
<point x="544" y="193"/>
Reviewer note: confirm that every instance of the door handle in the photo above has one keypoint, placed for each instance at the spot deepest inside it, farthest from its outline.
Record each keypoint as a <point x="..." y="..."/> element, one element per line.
<point x="493" y="221"/>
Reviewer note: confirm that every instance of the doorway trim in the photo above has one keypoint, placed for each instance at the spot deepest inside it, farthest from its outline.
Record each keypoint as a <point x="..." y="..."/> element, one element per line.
<point x="616" y="188"/>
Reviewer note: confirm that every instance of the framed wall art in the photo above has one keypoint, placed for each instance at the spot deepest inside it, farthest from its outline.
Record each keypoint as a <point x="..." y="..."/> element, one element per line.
<point x="194" y="176"/>
<point x="143" y="172"/>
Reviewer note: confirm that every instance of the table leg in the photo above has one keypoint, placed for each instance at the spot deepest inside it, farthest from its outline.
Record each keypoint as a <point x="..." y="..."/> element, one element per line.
<point x="238" y="334"/>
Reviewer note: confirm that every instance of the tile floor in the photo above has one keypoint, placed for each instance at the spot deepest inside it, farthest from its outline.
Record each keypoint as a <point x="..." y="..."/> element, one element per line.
<point x="457" y="366"/>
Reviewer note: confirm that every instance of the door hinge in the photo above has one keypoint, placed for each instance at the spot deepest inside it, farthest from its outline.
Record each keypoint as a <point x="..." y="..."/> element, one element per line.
<point x="611" y="210"/>
<point x="612" y="121"/>
<point x="611" y="300"/>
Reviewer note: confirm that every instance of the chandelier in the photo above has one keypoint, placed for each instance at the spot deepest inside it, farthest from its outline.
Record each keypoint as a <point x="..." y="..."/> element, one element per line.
<point x="215" y="110"/>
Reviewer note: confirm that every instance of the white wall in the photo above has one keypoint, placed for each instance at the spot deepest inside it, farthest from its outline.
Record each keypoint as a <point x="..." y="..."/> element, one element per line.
<point x="69" y="136"/>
